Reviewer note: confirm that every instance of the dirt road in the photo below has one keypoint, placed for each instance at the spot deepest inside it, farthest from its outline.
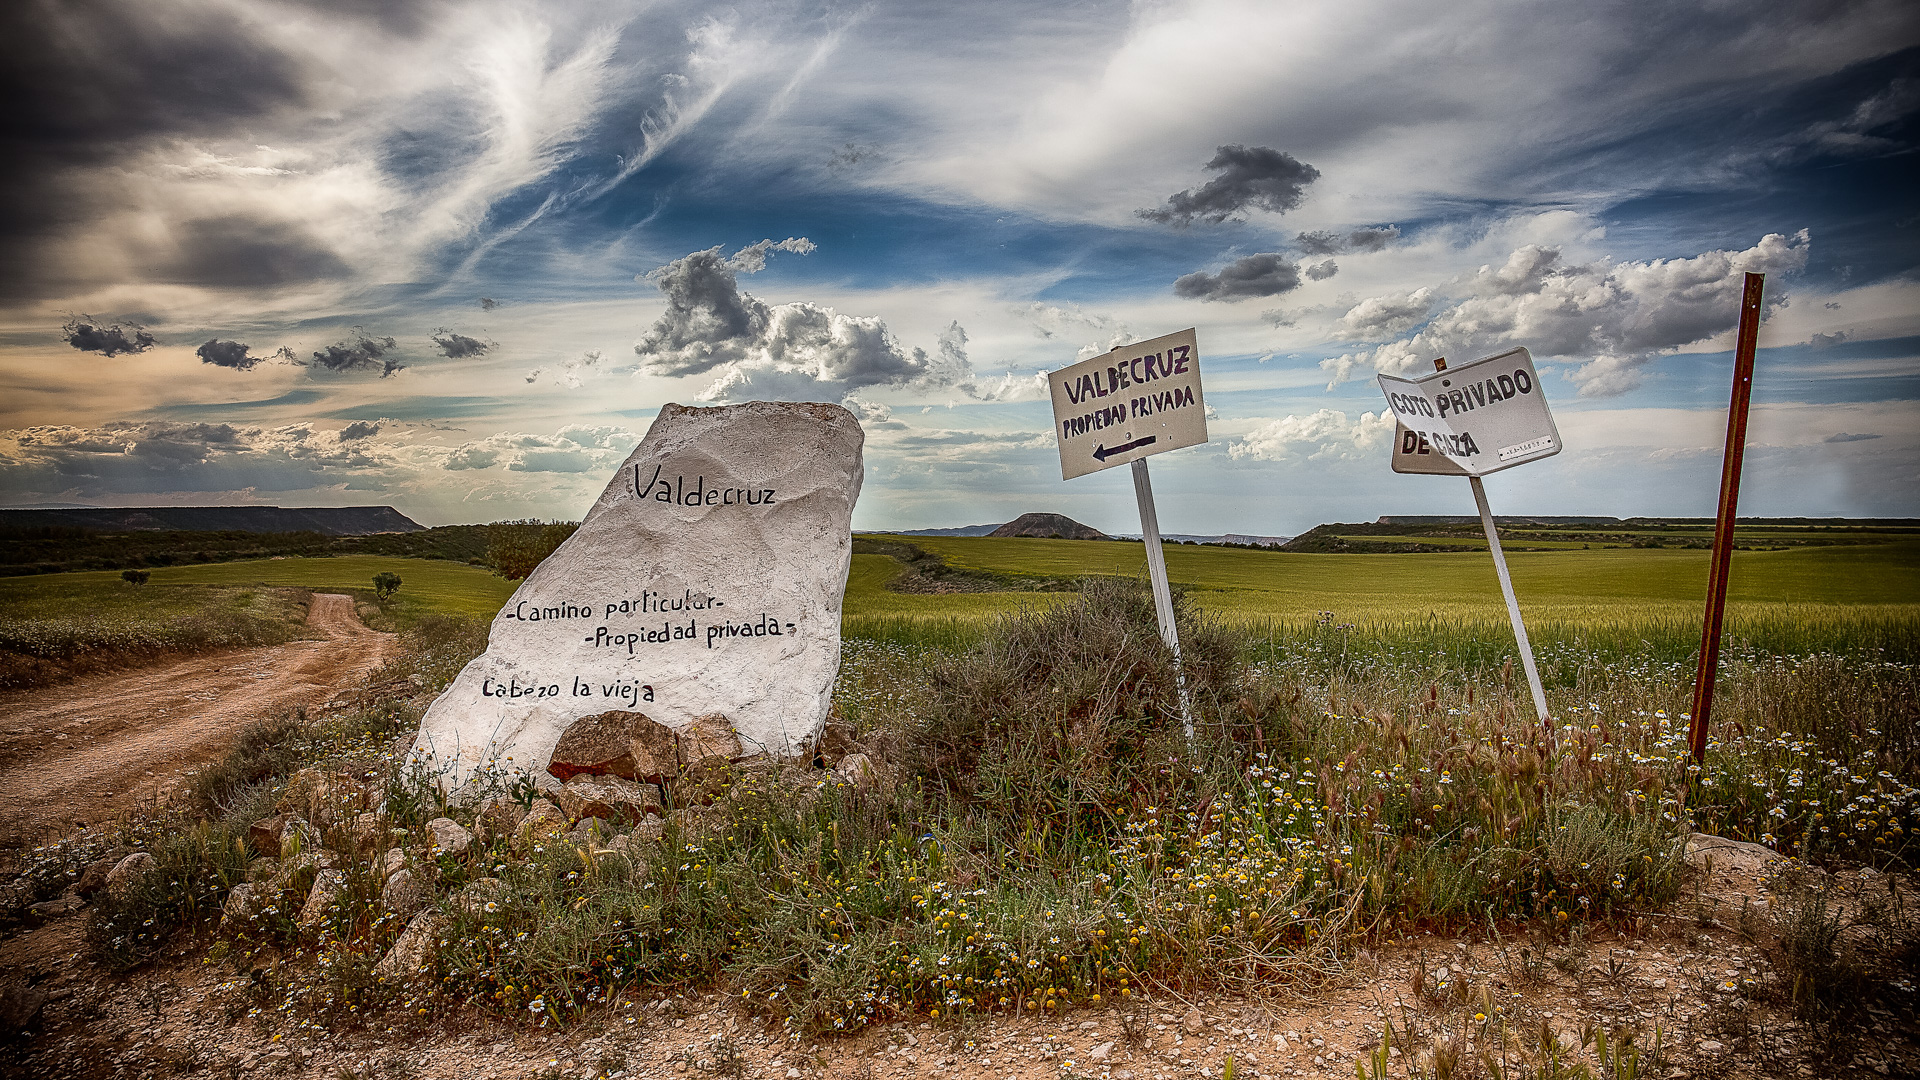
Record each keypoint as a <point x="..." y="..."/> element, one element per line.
<point x="87" y="750"/>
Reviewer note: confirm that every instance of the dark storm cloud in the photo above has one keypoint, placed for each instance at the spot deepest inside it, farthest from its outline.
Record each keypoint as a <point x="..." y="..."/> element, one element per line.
<point x="1359" y="240"/>
<point x="460" y="346"/>
<point x="363" y="353"/>
<point x="1841" y="436"/>
<point x="1255" y="275"/>
<point x="248" y="252"/>
<point x="709" y="321"/>
<point x="233" y="354"/>
<point x="796" y="351"/>
<point x="122" y="457"/>
<point x="1373" y="239"/>
<point x="111" y="340"/>
<point x="90" y="82"/>
<point x="359" y="429"/>
<point x="1251" y="178"/>
<point x="1322" y="270"/>
<point x="488" y="303"/>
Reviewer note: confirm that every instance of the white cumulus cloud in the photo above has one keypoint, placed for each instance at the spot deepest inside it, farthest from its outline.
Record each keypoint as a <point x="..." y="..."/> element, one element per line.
<point x="1611" y="317"/>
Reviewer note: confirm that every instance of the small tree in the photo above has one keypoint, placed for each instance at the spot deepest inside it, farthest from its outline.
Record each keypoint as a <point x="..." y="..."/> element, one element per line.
<point x="385" y="584"/>
<point x="135" y="577"/>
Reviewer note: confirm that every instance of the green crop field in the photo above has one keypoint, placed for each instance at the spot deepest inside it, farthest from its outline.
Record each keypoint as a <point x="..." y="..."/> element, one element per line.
<point x="1651" y="592"/>
<point x="1242" y="583"/>
<point x="429" y="586"/>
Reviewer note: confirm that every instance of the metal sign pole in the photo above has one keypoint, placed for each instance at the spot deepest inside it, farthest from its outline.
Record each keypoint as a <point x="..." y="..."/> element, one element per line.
<point x="1743" y="351"/>
<point x="1513" y="604"/>
<point x="1162" y="593"/>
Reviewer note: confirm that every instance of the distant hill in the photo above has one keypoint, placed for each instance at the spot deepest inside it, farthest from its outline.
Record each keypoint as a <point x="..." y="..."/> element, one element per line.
<point x="325" y="520"/>
<point x="1455" y="532"/>
<point x="1058" y="526"/>
<point x="1224" y="539"/>
<point x="963" y="530"/>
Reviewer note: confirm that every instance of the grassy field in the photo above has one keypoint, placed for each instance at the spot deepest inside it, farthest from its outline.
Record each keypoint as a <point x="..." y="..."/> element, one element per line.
<point x="1631" y="593"/>
<point x="58" y="626"/>
<point x="429" y="586"/>
<point x="1246" y="584"/>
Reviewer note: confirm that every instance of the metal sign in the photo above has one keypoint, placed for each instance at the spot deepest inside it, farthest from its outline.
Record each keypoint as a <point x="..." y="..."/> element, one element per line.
<point x="1137" y="400"/>
<point x="1471" y="420"/>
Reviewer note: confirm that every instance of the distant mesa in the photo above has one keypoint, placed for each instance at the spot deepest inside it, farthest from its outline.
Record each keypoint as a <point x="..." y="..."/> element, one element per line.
<point x="325" y="520"/>
<point x="1053" y="526"/>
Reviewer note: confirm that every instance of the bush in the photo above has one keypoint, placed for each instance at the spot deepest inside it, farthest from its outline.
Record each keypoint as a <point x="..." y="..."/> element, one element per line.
<point x="1073" y="710"/>
<point x="266" y="750"/>
<point x="514" y="548"/>
<point x="385" y="584"/>
<point x="135" y="577"/>
<point x="194" y="866"/>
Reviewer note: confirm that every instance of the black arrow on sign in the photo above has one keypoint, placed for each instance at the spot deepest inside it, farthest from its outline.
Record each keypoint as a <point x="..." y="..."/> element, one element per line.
<point x="1101" y="453"/>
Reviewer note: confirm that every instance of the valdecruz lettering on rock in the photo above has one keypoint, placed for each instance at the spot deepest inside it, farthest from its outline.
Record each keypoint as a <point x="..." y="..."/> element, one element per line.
<point x="679" y="493"/>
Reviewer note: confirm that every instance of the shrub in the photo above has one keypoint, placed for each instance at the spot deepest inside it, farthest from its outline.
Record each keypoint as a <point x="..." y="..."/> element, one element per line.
<point x="135" y="577"/>
<point x="194" y="866"/>
<point x="266" y="749"/>
<point x="514" y="548"/>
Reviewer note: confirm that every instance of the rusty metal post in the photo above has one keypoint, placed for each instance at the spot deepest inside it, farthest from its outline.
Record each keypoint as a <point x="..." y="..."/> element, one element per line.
<point x="1723" y="521"/>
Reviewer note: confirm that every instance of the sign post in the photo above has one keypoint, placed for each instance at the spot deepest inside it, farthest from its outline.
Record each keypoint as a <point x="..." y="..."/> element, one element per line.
<point x="1121" y="408"/>
<point x="1743" y="350"/>
<point x="1475" y="419"/>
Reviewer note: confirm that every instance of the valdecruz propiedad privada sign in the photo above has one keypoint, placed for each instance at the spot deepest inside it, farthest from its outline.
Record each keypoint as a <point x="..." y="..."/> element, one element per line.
<point x="1120" y="406"/>
<point x="1472" y="419"/>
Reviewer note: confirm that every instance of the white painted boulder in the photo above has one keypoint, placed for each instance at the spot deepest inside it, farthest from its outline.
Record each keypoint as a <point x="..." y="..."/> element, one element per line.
<point x="707" y="578"/>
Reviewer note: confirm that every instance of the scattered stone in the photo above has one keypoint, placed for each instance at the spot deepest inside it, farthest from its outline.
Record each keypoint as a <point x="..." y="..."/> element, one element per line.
<point x="449" y="837"/>
<point x="496" y="816"/>
<point x="283" y="835"/>
<point x="126" y="870"/>
<point x="94" y="877"/>
<point x="327" y="799"/>
<point x="836" y="742"/>
<point x="855" y="770"/>
<point x="738" y="520"/>
<point x="704" y="782"/>
<point x="628" y="745"/>
<point x="403" y="893"/>
<point x="414" y="950"/>
<point x="650" y="830"/>
<point x="1100" y="1052"/>
<point x="369" y="832"/>
<point x="1735" y="855"/>
<point x="593" y="834"/>
<point x="65" y="904"/>
<point x="327" y="887"/>
<point x="20" y="1005"/>
<point x="264" y="834"/>
<point x="242" y="903"/>
<point x="393" y="863"/>
<point x="1710" y="1046"/>
<point x="608" y="797"/>
<point x="543" y="822"/>
<point x="1194" y="1023"/>
<point x="479" y="893"/>
<point x="707" y="738"/>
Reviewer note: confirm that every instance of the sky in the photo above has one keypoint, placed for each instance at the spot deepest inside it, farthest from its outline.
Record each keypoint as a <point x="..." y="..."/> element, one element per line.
<point x="453" y="257"/>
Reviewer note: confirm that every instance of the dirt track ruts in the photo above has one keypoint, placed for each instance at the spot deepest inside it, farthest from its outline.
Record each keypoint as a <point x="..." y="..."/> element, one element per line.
<point x="87" y="750"/>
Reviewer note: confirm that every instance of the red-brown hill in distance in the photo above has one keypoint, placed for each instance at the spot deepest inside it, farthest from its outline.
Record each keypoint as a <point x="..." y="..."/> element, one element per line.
<point x="1054" y="526"/>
